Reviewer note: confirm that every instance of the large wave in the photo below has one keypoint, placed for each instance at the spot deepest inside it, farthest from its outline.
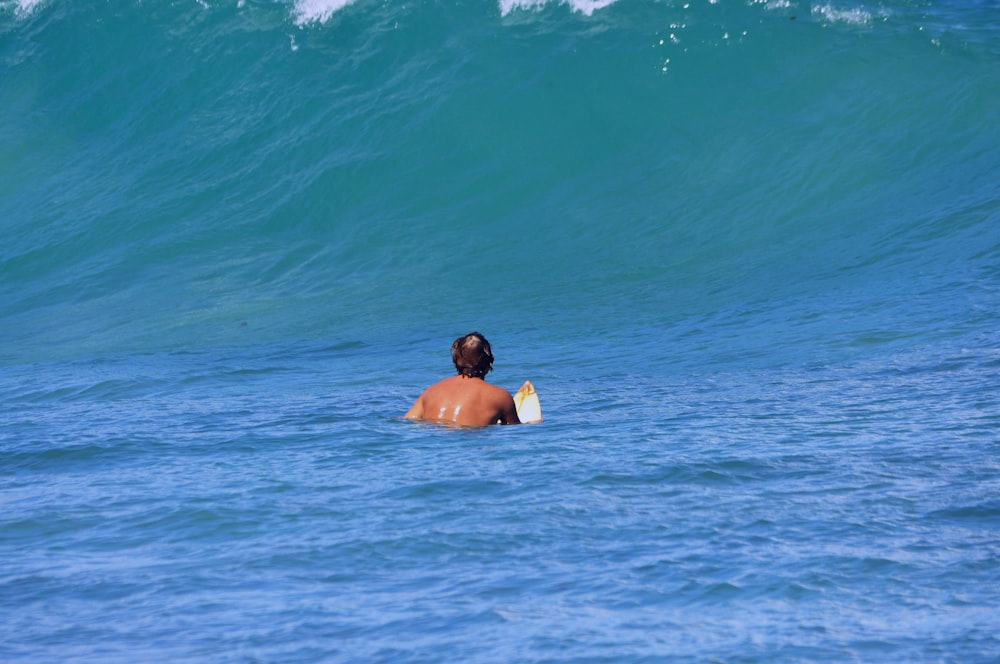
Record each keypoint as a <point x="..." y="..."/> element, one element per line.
<point x="171" y="172"/>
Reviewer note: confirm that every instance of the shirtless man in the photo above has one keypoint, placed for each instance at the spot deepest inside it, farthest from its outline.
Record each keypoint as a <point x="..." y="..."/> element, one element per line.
<point x="467" y="399"/>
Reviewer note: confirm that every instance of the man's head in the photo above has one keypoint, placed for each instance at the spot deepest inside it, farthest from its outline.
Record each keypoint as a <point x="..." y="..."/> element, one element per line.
<point x="472" y="355"/>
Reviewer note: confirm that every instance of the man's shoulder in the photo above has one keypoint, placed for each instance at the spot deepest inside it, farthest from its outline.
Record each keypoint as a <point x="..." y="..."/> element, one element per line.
<point x="456" y="384"/>
<point x="500" y="393"/>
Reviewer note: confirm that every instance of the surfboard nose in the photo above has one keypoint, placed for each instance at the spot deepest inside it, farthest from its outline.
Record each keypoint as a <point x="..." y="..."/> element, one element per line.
<point x="529" y="408"/>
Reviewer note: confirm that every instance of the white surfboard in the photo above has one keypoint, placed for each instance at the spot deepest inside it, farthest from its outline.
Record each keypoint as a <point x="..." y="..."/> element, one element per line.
<point x="529" y="408"/>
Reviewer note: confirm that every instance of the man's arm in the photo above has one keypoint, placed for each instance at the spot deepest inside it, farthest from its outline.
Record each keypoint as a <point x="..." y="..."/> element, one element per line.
<point x="508" y="413"/>
<point x="416" y="411"/>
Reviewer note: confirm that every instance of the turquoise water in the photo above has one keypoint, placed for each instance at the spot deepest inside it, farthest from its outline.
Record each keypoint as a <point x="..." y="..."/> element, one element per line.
<point x="749" y="253"/>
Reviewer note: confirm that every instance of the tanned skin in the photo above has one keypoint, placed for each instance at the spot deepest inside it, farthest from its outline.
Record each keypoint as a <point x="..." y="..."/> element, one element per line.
<point x="465" y="401"/>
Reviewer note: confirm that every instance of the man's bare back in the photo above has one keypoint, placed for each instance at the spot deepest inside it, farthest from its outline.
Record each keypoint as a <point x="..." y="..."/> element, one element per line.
<point x="467" y="399"/>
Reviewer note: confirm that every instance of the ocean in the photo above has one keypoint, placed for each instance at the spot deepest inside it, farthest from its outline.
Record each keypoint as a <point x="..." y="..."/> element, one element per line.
<point x="748" y="253"/>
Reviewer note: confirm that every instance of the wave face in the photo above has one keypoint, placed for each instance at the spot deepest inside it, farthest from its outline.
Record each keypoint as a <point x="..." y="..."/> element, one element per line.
<point x="748" y="251"/>
<point x="171" y="171"/>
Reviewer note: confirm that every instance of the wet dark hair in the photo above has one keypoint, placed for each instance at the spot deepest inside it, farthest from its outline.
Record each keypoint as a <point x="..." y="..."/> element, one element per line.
<point x="472" y="355"/>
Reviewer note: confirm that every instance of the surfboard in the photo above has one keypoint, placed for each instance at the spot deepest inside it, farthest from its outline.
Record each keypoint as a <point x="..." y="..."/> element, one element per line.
<point x="529" y="408"/>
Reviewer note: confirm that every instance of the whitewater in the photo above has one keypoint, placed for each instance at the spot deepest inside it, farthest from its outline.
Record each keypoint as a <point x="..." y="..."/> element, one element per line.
<point x="748" y="253"/>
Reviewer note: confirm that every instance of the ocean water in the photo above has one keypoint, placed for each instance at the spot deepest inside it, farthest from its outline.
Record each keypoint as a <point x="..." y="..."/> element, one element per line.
<point x="748" y="252"/>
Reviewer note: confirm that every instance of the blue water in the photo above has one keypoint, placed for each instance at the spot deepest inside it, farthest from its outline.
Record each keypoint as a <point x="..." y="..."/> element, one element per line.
<point x="748" y="252"/>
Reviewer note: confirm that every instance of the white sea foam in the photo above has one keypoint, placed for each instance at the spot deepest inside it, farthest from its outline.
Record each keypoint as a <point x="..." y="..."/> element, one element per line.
<point x="317" y="11"/>
<point x="22" y="7"/>
<point x="587" y="7"/>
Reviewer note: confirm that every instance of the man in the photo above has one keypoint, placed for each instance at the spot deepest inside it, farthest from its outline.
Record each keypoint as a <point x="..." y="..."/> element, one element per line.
<point x="467" y="399"/>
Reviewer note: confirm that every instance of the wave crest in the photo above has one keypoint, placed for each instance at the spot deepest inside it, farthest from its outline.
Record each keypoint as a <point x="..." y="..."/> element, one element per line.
<point x="21" y="8"/>
<point x="317" y="11"/>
